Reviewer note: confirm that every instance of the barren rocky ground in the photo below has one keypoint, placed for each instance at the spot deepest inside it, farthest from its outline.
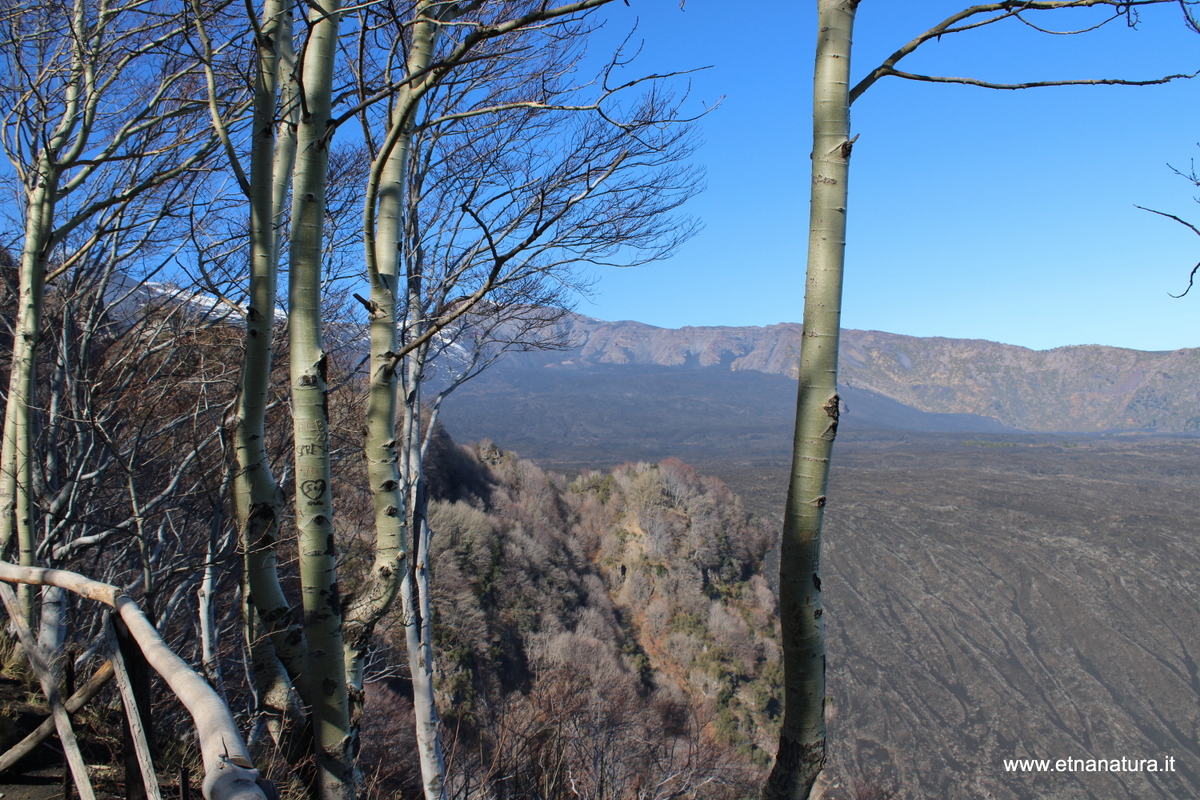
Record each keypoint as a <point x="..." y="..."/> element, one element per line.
<point x="1027" y="602"/>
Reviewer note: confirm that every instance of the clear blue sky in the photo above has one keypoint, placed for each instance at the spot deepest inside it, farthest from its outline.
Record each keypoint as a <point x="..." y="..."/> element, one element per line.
<point x="973" y="213"/>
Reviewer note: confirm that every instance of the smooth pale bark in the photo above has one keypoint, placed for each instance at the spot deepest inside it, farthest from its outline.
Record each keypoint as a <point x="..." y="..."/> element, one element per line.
<point x="279" y="713"/>
<point x="228" y="774"/>
<point x="259" y="500"/>
<point x="414" y="589"/>
<point x="277" y="647"/>
<point x="209" y="661"/>
<point x="41" y="199"/>
<point x="16" y="512"/>
<point x="801" y="752"/>
<point x="385" y="231"/>
<point x="326" y="691"/>
<point x="255" y="489"/>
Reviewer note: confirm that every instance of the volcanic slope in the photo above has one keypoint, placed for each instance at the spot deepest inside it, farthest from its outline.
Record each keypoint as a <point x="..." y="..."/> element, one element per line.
<point x="992" y="594"/>
<point x="1004" y="602"/>
<point x="1078" y="388"/>
<point x="1006" y="597"/>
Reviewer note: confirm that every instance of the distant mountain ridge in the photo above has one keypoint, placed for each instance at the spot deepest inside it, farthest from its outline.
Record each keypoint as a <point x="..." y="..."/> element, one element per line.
<point x="986" y="385"/>
<point x="1076" y="388"/>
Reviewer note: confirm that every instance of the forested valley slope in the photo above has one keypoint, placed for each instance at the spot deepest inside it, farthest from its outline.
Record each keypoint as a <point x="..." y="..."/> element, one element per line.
<point x="607" y="635"/>
<point x="992" y="593"/>
<point x="989" y="599"/>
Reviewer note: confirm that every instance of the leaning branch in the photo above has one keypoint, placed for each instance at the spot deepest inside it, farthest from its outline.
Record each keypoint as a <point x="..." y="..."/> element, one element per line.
<point x="62" y="720"/>
<point x="228" y="771"/>
<point x="77" y="701"/>
<point x="210" y="80"/>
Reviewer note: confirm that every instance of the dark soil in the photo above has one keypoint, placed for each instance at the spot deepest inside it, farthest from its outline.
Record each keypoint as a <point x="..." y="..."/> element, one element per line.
<point x="40" y="775"/>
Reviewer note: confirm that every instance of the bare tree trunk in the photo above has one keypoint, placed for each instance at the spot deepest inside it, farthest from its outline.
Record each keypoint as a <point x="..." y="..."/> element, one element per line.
<point x="414" y="590"/>
<point x="326" y="677"/>
<point x="82" y="114"/>
<point x="274" y="635"/>
<point x="258" y="498"/>
<point x="278" y="710"/>
<point x="802" y="739"/>
<point x="384" y="237"/>
<point x="425" y="299"/>
<point x="16" y="512"/>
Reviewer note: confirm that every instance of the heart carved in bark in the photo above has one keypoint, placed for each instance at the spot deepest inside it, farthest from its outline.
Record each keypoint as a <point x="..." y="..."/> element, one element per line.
<point x="313" y="490"/>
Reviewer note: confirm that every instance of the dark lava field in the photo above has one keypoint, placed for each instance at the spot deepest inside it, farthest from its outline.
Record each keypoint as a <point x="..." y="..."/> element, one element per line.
<point x="991" y="594"/>
<point x="1035" y="601"/>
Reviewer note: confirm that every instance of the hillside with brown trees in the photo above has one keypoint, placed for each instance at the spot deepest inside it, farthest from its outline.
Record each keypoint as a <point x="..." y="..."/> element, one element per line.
<point x="611" y="635"/>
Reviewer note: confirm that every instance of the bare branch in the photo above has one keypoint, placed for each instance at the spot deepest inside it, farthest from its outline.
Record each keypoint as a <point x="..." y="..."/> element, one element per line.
<point x="1073" y="32"/>
<point x="1193" y="229"/>
<point x="1040" y="84"/>
<point x="1001" y="11"/>
<point x="210" y="82"/>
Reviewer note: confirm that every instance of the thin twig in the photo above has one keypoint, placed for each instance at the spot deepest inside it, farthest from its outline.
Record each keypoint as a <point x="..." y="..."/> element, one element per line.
<point x="1000" y="11"/>
<point x="1039" y="84"/>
